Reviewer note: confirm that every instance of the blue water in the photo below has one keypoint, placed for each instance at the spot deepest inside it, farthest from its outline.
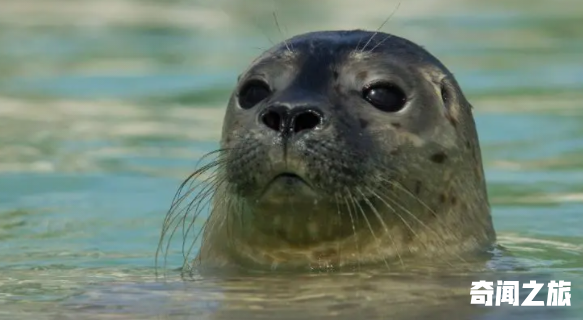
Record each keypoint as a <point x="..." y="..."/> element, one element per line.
<point x="99" y="125"/>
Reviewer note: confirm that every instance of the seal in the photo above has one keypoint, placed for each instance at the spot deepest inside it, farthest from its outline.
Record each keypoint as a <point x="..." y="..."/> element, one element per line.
<point x="342" y="149"/>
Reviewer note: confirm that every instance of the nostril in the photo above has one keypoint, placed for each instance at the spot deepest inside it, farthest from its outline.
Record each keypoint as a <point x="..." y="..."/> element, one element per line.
<point x="307" y="120"/>
<point x="291" y="120"/>
<point x="272" y="120"/>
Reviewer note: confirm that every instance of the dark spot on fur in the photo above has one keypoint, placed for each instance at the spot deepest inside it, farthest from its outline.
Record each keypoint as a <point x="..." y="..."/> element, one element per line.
<point x="362" y="75"/>
<point x="439" y="157"/>
<point x="409" y="236"/>
<point x="396" y="125"/>
<point x="442" y="198"/>
<point x="468" y="144"/>
<point x="418" y="187"/>
<point x="453" y="200"/>
<point x="348" y="171"/>
<point x="394" y="152"/>
<point x="335" y="74"/>
<point x="363" y="123"/>
<point x="310" y="144"/>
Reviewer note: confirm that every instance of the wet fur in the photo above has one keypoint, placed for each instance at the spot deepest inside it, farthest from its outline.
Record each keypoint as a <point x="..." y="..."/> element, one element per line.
<point x="392" y="189"/>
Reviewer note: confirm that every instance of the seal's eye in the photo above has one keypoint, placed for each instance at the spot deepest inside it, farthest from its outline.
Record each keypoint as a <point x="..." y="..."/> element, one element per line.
<point x="252" y="93"/>
<point x="385" y="97"/>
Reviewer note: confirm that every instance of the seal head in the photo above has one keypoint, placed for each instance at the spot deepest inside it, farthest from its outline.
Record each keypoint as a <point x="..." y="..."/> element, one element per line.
<point x="344" y="148"/>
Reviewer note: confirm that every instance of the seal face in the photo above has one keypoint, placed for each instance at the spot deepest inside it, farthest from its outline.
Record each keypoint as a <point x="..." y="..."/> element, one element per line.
<point x="343" y="148"/>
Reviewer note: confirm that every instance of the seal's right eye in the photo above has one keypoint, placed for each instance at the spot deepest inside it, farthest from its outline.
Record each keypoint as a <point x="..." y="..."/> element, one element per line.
<point x="252" y="93"/>
<point x="385" y="97"/>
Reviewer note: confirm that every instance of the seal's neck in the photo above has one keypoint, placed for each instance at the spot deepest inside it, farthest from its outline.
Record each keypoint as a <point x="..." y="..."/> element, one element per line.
<point x="366" y="231"/>
<point x="298" y="224"/>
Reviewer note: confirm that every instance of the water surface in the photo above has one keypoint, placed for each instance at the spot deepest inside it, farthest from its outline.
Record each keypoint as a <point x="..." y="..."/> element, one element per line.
<point x="106" y="106"/>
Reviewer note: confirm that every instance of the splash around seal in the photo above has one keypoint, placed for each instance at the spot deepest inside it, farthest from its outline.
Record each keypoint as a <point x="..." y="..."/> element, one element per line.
<point x="340" y="149"/>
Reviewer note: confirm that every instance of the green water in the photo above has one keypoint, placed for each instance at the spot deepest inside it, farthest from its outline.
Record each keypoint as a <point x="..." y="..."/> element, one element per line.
<point x="106" y="106"/>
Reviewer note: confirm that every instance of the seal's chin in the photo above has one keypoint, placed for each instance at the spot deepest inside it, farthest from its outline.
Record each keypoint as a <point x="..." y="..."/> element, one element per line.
<point x="287" y="187"/>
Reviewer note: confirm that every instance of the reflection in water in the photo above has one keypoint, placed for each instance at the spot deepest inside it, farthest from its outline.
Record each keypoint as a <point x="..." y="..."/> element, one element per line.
<point x="105" y="106"/>
<point x="316" y="296"/>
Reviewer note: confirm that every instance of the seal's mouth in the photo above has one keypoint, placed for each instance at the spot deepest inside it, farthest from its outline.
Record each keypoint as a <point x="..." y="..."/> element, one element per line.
<point x="288" y="176"/>
<point x="289" y="179"/>
<point x="286" y="185"/>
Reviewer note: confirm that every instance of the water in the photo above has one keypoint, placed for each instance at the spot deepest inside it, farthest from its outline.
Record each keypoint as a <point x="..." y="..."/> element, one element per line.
<point x="106" y="106"/>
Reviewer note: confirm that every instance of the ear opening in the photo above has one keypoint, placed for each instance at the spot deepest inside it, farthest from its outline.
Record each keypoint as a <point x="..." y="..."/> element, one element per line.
<point x="445" y="92"/>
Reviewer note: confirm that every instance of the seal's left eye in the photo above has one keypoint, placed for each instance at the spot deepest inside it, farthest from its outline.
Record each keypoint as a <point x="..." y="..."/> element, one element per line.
<point x="252" y="93"/>
<point x="385" y="97"/>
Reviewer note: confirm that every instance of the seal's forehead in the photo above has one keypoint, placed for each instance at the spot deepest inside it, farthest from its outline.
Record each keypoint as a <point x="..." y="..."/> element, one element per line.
<point x="351" y="44"/>
<point x="314" y="55"/>
<point x="332" y="39"/>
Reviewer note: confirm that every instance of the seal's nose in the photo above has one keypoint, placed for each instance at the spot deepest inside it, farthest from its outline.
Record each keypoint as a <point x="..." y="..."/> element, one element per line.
<point x="291" y="121"/>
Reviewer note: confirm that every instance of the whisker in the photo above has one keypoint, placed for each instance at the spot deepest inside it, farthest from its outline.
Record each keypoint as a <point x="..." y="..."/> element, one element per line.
<point x="186" y="262"/>
<point x="369" y="227"/>
<point x="192" y="177"/>
<point x="379" y="217"/>
<point x="170" y="217"/>
<point x="226" y="11"/>
<point x="380" y="27"/>
<point x="382" y="177"/>
<point x="356" y="240"/>
<point x="176" y="217"/>
<point x="409" y="193"/>
<point x="409" y="213"/>
<point x="185" y="212"/>
<point x="210" y="223"/>
<point x="208" y="185"/>
<point x="281" y="33"/>
<point x="197" y="211"/>
<point x="381" y="42"/>
<point x="338" y="246"/>
<point x="395" y="211"/>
